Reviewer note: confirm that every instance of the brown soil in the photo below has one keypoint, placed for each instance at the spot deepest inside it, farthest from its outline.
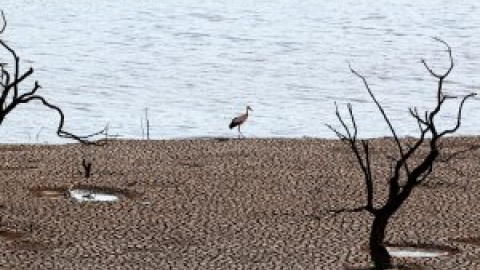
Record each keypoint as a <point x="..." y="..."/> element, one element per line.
<point x="225" y="204"/>
<point x="49" y="192"/>
<point x="470" y="240"/>
<point x="11" y="235"/>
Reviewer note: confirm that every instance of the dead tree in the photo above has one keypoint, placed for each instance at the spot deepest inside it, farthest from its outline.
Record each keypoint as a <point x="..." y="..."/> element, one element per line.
<point x="11" y="96"/>
<point x="405" y="175"/>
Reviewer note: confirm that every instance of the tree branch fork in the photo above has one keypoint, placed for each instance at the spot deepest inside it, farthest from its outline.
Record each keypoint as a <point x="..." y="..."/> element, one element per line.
<point x="10" y="97"/>
<point x="429" y="135"/>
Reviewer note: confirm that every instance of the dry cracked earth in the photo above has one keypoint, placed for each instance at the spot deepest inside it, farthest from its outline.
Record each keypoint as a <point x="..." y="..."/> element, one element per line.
<point x="226" y="204"/>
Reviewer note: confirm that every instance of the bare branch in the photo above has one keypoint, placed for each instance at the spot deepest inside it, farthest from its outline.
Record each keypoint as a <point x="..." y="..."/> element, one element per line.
<point x="87" y="166"/>
<point x="4" y="22"/>
<point x="16" y="75"/>
<point x="19" y="79"/>
<point x="339" y="135"/>
<point x="147" y="122"/>
<point x="17" y="101"/>
<point x="6" y="75"/>
<point x="416" y="115"/>
<point x="449" y="50"/>
<point x="430" y="70"/>
<point x="459" y="116"/>
<point x="440" y="96"/>
<point x="351" y="140"/>
<point x="32" y="92"/>
<point x="340" y="119"/>
<point x="436" y="110"/>
<point x="382" y="111"/>
<point x="394" y="185"/>
<point x="354" y="123"/>
<point x="60" y="132"/>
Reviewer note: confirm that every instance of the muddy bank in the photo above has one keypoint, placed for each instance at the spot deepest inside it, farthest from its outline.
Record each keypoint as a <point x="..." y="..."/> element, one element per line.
<point x="223" y="204"/>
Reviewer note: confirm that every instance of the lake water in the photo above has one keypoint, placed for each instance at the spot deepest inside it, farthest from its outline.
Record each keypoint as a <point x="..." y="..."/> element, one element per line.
<point x="196" y="64"/>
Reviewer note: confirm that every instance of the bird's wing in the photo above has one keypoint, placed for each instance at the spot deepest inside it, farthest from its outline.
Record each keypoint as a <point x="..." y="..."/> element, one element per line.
<point x="239" y="119"/>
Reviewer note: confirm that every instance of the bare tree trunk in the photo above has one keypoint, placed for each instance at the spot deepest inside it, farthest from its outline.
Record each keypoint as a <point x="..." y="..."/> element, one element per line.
<point x="380" y="257"/>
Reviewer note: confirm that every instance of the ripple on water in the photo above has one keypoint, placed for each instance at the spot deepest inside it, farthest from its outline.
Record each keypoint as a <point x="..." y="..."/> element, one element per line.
<point x="226" y="55"/>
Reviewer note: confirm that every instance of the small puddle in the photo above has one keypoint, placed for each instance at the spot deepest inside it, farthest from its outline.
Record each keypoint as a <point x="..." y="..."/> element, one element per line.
<point x="415" y="253"/>
<point x="83" y="193"/>
<point x="98" y="194"/>
<point x="398" y="267"/>
<point x="420" y="251"/>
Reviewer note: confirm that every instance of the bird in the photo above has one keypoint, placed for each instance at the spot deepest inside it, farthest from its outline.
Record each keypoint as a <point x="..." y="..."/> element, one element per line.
<point x="239" y="120"/>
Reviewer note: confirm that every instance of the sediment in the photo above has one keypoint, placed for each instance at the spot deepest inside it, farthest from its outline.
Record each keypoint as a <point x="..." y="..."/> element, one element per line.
<point x="227" y="204"/>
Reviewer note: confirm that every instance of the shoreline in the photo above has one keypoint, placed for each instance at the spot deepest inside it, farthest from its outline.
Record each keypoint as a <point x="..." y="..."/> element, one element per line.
<point x="225" y="138"/>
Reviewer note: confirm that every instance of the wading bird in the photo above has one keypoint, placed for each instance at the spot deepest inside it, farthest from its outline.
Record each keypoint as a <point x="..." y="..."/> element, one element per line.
<point x="239" y="120"/>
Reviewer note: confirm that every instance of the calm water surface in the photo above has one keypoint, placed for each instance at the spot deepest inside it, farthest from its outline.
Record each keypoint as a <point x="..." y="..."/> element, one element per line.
<point x="196" y="64"/>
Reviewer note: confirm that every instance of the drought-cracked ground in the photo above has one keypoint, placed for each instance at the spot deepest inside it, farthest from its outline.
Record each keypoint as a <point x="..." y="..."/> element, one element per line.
<point x="226" y="204"/>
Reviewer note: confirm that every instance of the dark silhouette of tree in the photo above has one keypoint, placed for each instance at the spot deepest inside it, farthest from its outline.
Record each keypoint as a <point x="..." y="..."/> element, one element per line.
<point x="11" y="96"/>
<point x="87" y="167"/>
<point x="405" y="175"/>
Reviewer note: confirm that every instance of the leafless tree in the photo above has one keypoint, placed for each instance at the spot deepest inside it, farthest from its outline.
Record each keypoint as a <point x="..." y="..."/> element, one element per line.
<point x="405" y="175"/>
<point x="11" y="96"/>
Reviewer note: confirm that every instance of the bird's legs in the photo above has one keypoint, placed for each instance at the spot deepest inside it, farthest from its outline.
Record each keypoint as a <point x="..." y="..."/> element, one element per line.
<point x="240" y="135"/>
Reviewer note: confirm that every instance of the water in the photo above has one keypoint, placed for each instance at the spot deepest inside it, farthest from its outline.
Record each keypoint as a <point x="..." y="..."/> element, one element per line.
<point x="83" y="195"/>
<point x="412" y="252"/>
<point x="196" y="64"/>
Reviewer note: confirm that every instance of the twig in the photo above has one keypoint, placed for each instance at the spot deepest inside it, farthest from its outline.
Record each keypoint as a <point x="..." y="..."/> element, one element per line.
<point x="143" y="130"/>
<point x="37" y="137"/>
<point x="4" y="22"/>
<point x="148" y="123"/>
<point x="87" y="166"/>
